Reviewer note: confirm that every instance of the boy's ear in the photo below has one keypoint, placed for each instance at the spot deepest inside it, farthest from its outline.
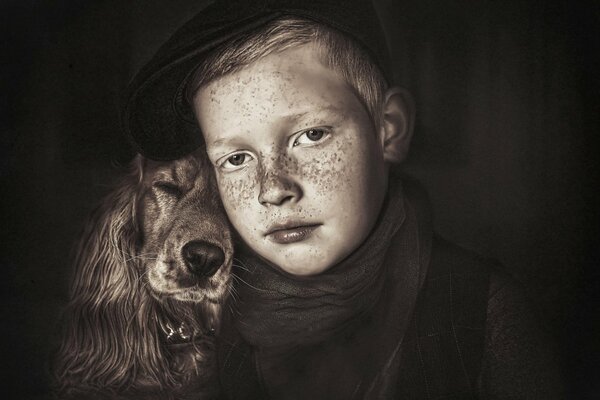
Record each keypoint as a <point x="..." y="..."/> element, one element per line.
<point x="397" y="124"/>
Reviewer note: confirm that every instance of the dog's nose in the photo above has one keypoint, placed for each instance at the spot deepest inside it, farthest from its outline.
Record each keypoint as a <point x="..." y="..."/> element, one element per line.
<point x="202" y="258"/>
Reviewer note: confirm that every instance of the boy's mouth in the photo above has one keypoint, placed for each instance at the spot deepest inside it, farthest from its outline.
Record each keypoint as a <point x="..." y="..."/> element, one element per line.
<point x="290" y="232"/>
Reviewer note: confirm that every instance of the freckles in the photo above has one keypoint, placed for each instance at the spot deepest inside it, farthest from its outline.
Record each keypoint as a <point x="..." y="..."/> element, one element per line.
<point x="332" y="172"/>
<point x="273" y="166"/>
<point x="237" y="192"/>
<point x="289" y="164"/>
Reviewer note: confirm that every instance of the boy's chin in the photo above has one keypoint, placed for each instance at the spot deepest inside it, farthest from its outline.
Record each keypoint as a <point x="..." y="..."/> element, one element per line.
<point x="304" y="270"/>
<point x="303" y="264"/>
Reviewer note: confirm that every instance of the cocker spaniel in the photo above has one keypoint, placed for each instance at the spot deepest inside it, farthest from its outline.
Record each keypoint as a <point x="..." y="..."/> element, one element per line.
<point x="151" y="271"/>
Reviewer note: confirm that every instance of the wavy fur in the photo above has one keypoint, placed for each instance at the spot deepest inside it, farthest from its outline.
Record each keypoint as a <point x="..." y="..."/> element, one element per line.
<point x="114" y="341"/>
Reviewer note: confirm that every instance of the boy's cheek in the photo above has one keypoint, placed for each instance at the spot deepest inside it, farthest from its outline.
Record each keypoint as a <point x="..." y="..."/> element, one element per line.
<point x="322" y="174"/>
<point x="331" y="171"/>
<point x="236" y="190"/>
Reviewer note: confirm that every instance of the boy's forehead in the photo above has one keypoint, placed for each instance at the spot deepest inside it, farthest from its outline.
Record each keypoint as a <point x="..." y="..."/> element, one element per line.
<point x="303" y="61"/>
<point x="287" y="86"/>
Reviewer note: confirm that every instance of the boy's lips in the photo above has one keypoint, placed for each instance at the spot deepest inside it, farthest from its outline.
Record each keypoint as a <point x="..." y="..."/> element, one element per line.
<point x="290" y="232"/>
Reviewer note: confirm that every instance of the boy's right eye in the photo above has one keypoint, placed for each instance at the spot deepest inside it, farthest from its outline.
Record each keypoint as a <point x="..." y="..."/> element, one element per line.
<point x="236" y="160"/>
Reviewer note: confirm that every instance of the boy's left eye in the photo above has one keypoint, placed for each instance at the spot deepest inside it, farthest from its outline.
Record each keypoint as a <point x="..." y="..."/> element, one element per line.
<point x="311" y="136"/>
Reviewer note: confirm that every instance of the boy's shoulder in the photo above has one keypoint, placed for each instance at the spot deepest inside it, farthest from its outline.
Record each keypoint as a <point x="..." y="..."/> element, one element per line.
<point x="471" y="284"/>
<point x="474" y="330"/>
<point x="460" y="310"/>
<point x="468" y="270"/>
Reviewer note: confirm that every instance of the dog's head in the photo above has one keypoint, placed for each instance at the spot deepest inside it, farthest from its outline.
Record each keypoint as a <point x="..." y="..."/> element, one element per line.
<point x="186" y="241"/>
<point x="152" y="269"/>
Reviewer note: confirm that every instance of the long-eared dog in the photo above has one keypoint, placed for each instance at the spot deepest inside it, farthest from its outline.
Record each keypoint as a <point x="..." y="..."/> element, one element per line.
<point x="151" y="271"/>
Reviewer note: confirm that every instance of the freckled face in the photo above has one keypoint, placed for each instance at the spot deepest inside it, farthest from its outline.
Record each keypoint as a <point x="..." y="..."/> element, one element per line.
<point x="299" y="165"/>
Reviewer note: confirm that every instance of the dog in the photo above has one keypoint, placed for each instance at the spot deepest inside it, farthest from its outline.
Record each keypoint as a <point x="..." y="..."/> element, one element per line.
<point x="152" y="270"/>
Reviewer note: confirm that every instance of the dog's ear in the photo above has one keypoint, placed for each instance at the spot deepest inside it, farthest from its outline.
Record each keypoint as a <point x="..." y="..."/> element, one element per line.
<point x="110" y="336"/>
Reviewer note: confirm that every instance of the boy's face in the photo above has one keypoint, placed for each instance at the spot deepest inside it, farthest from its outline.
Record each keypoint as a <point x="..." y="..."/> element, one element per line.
<point x="298" y="161"/>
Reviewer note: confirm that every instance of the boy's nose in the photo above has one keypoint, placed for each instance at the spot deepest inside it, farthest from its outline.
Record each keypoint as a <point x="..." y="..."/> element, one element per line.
<point x="277" y="188"/>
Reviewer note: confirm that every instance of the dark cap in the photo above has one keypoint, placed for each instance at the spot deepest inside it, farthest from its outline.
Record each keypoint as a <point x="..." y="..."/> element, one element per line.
<point x="156" y="117"/>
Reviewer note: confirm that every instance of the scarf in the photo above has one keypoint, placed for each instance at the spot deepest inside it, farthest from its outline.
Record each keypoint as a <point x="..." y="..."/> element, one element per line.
<point x="279" y="310"/>
<point x="337" y="335"/>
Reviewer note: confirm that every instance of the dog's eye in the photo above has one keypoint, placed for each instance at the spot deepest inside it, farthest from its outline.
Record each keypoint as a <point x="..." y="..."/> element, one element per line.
<point x="167" y="188"/>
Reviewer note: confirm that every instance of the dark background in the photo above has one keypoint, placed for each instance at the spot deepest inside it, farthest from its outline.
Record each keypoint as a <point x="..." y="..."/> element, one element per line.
<point x="505" y="144"/>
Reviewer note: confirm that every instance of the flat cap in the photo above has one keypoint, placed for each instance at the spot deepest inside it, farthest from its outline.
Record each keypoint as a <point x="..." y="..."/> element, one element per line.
<point x="156" y="117"/>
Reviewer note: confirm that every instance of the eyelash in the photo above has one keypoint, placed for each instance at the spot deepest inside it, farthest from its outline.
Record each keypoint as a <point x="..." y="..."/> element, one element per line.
<point x="324" y="132"/>
<point x="227" y="160"/>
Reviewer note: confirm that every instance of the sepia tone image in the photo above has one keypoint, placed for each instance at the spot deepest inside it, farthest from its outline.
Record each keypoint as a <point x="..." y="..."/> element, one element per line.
<point x="286" y="199"/>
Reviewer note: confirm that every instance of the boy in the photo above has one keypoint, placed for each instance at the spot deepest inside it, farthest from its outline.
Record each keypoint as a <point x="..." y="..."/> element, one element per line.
<point x="342" y="290"/>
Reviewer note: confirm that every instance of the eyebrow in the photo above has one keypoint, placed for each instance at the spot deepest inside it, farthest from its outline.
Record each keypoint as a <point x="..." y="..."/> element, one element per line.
<point x="289" y="117"/>
<point x="219" y="142"/>
<point x="299" y="115"/>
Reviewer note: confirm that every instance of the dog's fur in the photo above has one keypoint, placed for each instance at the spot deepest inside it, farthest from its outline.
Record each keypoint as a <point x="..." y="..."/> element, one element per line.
<point x="132" y="293"/>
